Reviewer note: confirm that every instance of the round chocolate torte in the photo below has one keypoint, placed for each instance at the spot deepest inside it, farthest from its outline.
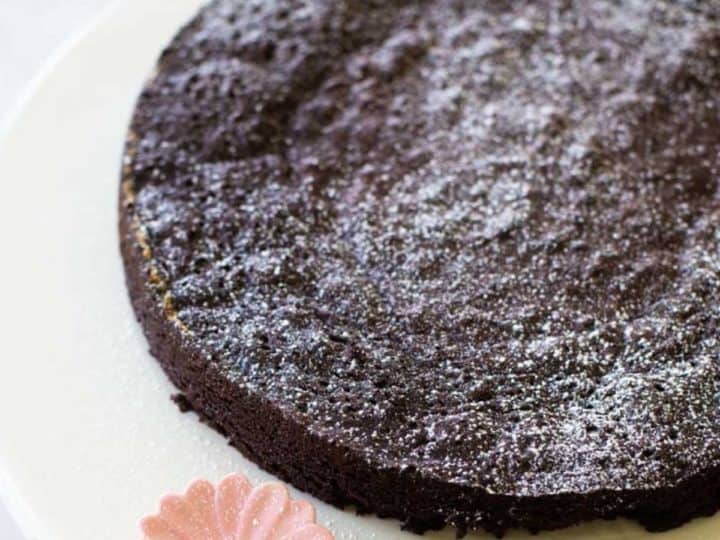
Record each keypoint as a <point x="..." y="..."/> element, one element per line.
<point x="449" y="261"/>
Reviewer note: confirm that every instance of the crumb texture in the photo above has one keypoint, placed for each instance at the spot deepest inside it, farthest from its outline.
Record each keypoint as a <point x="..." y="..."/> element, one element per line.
<point x="471" y="241"/>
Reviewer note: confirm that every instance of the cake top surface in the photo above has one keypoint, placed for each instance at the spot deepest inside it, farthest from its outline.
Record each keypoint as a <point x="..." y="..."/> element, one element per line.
<point x="473" y="239"/>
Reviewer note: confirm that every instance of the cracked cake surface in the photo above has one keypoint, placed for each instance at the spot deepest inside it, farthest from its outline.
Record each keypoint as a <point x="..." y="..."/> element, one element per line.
<point x="460" y="257"/>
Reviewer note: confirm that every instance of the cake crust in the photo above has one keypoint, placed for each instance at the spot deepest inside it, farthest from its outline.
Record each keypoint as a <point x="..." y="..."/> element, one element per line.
<point x="452" y="262"/>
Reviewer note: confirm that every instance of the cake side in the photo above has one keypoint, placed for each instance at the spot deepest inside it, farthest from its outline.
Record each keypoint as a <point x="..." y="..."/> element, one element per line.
<point x="281" y="445"/>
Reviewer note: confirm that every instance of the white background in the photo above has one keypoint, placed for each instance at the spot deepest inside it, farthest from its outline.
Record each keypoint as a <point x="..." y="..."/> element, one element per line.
<point x="30" y="30"/>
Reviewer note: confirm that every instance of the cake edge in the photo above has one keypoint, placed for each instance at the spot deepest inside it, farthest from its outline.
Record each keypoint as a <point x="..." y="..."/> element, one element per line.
<point x="339" y="476"/>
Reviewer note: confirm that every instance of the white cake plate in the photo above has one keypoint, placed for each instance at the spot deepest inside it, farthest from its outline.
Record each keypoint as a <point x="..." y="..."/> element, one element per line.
<point x="89" y="440"/>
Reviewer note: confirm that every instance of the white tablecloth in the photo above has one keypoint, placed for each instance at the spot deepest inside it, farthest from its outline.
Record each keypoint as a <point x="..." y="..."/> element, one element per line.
<point x="29" y="31"/>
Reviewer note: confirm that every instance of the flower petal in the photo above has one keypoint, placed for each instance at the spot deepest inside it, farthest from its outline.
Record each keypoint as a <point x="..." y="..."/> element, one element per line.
<point x="265" y="506"/>
<point x="233" y="511"/>
<point x="156" y="528"/>
<point x="185" y="518"/>
<point x="230" y="498"/>
<point x="309" y="532"/>
<point x="299" y="514"/>
<point x="200" y="496"/>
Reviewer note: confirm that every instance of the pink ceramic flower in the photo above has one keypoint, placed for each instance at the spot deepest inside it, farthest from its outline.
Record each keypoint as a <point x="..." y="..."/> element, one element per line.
<point x="233" y="511"/>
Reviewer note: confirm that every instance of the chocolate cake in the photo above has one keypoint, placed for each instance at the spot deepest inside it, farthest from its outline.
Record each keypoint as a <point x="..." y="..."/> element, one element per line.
<point x="450" y="261"/>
